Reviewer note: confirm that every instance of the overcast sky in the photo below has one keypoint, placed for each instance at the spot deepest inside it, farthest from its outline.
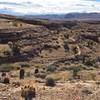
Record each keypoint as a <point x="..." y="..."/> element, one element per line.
<point x="50" y="6"/>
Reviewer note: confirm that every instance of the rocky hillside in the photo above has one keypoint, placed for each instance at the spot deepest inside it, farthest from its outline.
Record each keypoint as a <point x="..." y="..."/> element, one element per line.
<point x="66" y="51"/>
<point x="51" y="42"/>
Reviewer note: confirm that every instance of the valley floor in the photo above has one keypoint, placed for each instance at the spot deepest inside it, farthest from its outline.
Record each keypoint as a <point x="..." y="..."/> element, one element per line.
<point x="62" y="91"/>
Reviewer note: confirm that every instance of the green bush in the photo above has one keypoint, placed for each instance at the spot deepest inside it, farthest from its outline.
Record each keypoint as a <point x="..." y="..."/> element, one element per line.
<point x="51" y="68"/>
<point x="75" y="71"/>
<point x="15" y="47"/>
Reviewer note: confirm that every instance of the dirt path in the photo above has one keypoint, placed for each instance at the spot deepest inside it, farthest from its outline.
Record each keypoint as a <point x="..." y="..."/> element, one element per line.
<point x="68" y="57"/>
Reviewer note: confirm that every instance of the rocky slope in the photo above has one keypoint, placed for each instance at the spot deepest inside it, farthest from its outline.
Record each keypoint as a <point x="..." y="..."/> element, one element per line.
<point x="58" y="49"/>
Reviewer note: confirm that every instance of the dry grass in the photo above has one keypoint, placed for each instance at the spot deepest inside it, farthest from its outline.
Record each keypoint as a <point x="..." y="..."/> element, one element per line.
<point x="64" y="75"/>
<point x="65" y="91"/>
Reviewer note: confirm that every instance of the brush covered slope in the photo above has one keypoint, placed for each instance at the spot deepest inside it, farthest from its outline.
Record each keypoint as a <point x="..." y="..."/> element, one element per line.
<point x="67" y="51"/>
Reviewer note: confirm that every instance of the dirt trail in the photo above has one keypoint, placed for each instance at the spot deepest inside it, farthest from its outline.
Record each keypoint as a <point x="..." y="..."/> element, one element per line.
<point x="69" y="57"/>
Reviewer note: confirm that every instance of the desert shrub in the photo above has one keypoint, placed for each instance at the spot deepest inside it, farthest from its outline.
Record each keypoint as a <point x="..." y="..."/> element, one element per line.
<point x="14" y="75"/>
<point x="75" y="50"/>
<point x="54" y="38"/>
<point x="7" y="52"/>
<point x="25" y="65"/>
<point x="50" y="50"/>
<point x="56" y="47"/>
<point x="15" y="24"/>
<point x="28" y="90"/>
<point x="67" y="63"/>
<point x="28" y="74"/>
<point x="6" y="81"/>
<point x="57" y="42"/>
<point x="96" y="65"/>
<point x="3" y="74"/>
<point x="89" y="62"/>
<point x="89" y="76"/>
<point x="62" y="69"/>
<point x="66" y="47"/>
<point x="51" y="68"/>
<point x="70" y="24"/>
<point x="7" y="67"/>
<point x="98" y="58"/>
<point x="47" y="46"/>
<point x="17" y="68"/>
<point x="87" y="91"/>
<point x="66" y="36"/>
<point x="40" y="75"/>
<point x="91" y="43"/>
<point x="98" y="82"/>
<point x="43" y="71"/>
<point x="16" y="84"/>
<point x="15" y="47"/>
<point x="36" y="71"/>
<point x="93" y="76"/>
<point x="75" y="71"/>
<point x="50" y="82"/>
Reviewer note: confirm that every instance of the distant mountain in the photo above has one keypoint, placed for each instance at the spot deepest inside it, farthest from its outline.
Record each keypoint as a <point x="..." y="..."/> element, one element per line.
<point x="47" y="16"/>
<point x="17" y="9"/>
<point x="69" y="16"/>
<point x="83" y="16"/>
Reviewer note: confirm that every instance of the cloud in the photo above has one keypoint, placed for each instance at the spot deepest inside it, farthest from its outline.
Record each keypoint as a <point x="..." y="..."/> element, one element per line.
<point x="51" y="6"/>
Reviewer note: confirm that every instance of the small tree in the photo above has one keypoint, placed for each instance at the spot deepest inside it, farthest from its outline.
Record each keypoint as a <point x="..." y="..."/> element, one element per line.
<point x="15" y="47"/>
<point x="75" y="71"/>
<point x="66" y="47"/>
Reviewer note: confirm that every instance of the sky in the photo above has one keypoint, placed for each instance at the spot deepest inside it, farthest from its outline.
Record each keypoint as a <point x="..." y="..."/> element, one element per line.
<point x="50" y="6"/>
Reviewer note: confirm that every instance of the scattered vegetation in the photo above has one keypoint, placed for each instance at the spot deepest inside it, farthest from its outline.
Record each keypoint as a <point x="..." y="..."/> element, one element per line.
<point x="51" y="68"/>
<point x="75" y="71"/>
<point x="15" y="47"/>
<point x="7" y="67"/>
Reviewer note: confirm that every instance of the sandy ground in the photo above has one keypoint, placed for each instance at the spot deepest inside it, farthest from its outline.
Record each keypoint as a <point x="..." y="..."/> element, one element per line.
<point x="62" y="91"/>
